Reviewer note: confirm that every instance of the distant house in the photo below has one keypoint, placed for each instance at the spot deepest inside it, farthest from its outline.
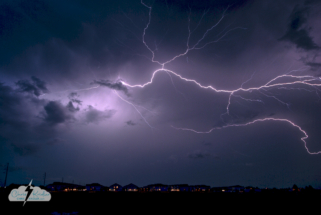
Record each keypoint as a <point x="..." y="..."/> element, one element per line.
<point x="200" y="188"/>
<point x="252" y="190"/>
<point x="235" y="189"/>
<point x="184" y="188"/>
<point x="115" y="188"/>
<point x="179" y="188"/>
<point x="96" y="187"/>
<point x="216" y="189"/>
<point x="174" y="188"/>
<point x="130" y="188"/>
<point x="145" y="189"/>
<point x="156" y="188"/>
<point x="61" y="186"/>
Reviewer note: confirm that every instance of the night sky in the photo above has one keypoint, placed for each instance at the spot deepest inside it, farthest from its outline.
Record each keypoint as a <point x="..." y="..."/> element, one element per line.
<point x="73" y="102"/>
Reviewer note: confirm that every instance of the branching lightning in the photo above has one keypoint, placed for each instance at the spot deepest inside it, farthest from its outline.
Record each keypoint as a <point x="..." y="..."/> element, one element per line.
<point x="252" y="122"/>
<point x="135" y="107"/>
<point x="276" y="82"/>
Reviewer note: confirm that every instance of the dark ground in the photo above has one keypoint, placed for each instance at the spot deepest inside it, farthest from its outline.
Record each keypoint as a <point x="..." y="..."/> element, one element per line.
<point x="118" y="203"/>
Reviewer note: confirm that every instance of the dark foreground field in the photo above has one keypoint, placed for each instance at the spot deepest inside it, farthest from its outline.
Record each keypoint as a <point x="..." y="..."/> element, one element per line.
<point x="118" y="203"/>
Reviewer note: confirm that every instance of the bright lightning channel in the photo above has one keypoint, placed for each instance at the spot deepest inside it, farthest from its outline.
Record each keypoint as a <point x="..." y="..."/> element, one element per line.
<point x="303" y="80"/>
<point x="252" y="122"/>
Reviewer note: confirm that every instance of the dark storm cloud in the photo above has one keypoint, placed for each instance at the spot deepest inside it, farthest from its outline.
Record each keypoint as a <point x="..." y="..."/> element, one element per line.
<point x="16" y="168"/>
<point x="14" y="107"/>
<point x="71" y="107"/>
<point x="206" y="143"/>
<point x="297" y="33"/>
<point x="38" y="36"/>
<point x="76" y="101"/>
<point x="198" y="154"/>
<point x="74" y="98"/>
<point x="54" y="141"/>
<point x="314" y="66"/>
<point x="39" y="84"/>
<point x="36" y="86"/>
<point x="131" y="123"/>
<point x="93" y="115"/>
<point x="39" y="21"/>
<point x="56" y="113"/>
<point x="20" y="110"/>
<point x="113" y="85"/>
<point x="241" y="114"/>
<point x="73" y="95"/>
<point x="27" y="122"/>
<point x="11" y="168"/>
<point x="205" y="5"/>
<point x="26" y="149"/>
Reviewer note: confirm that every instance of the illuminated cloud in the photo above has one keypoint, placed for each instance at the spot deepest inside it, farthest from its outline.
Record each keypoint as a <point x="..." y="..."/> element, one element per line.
<point x="73" y="96"/>
<point x="113" y="85"/>
<point x="92" y="115"/>
<point x="131" y="123"/>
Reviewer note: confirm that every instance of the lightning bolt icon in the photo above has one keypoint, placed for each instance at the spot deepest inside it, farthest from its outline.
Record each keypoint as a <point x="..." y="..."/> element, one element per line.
<point x="29" y="190"/>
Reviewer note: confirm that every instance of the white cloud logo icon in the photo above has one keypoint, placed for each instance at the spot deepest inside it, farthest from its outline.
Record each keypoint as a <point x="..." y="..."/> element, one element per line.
<point x="30" y="194"/>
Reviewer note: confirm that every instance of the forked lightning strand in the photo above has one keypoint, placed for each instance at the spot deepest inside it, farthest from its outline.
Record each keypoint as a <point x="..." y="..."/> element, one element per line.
<point x="135" y="106"/>
<point x="306" y="80"/>
<point x="252" y="122"/>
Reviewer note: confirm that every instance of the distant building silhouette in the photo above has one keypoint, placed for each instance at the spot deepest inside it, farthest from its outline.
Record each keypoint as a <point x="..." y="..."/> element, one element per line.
<point x="61" y="186"/>
<point x="96" y="187"/>
<point x="130" y="188"/>
<point x="115" y="188"/>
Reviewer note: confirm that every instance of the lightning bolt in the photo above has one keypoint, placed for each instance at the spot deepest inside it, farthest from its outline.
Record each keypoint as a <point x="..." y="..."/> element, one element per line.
<point x="29" y="190"/>
<point x="189" y="47"/>
<point x="252" y="122"/>
<point x="276" y="83"/>
<point x="306" y="80"/>
<point x="135" y="107"/>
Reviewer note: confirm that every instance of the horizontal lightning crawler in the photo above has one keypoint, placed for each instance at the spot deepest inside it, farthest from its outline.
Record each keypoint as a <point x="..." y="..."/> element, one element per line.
<point x="275" y="83"/>
<point x="252" y="122"/>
